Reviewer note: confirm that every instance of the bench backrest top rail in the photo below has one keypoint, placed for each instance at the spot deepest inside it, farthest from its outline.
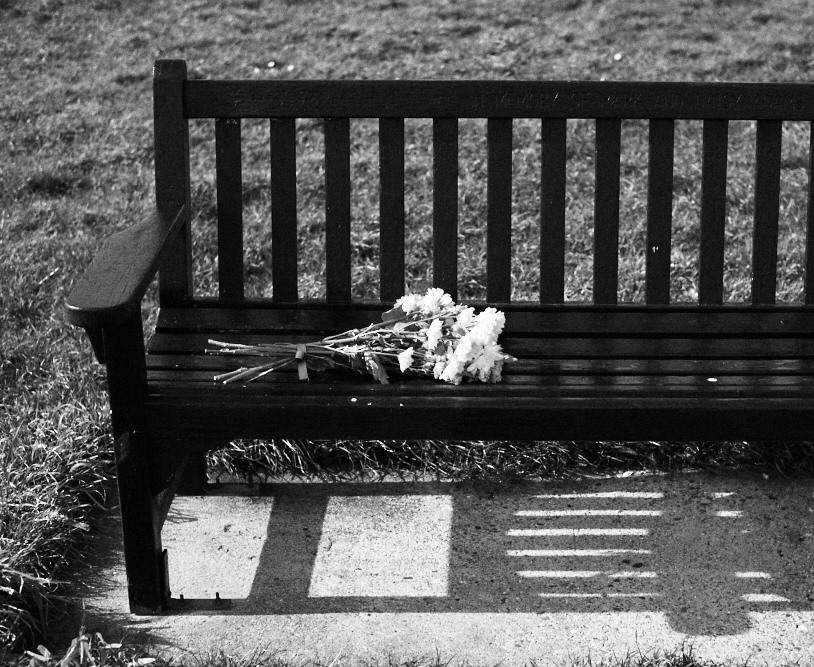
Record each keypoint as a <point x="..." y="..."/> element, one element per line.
<point x="498" y="99"/>
<point x="178" y="99"/>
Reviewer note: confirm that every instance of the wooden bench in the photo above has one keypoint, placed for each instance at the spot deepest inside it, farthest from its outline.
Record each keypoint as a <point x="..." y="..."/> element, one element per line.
<point x="585" y="371"/>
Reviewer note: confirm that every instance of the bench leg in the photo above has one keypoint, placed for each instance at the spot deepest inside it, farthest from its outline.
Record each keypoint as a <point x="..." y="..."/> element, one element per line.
<point x="147" y="584"/>
<point x="192" y="475"/>
<point x="123" y="348"/>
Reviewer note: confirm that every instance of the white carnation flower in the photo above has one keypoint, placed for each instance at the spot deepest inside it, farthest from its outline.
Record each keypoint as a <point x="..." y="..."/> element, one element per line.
<point x="405" y="359"/>
<point x="453" y="373"/>
<point x="488" y="326"/>
<point x="466" y="349"/>
<point x="434" y="334"/>
<point x="409" y="303"/>
<point x="464" y="320"/>
<point x="486" y="360"/>
<point x="435" y="300"/>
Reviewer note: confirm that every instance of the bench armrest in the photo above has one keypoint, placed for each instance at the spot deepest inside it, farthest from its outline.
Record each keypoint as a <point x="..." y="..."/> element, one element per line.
<point x="118" y="277"/>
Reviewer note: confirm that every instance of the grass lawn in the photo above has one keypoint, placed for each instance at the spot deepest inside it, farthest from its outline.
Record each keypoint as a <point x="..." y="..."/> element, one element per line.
<point x="76" y="165"/>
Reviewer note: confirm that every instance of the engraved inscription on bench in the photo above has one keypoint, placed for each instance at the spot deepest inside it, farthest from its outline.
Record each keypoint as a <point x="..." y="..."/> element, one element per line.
<point x="566" y="99"/>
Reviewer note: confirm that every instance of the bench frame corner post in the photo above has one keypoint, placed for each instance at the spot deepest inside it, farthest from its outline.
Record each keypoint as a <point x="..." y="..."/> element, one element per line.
<point x="172" y="188"/>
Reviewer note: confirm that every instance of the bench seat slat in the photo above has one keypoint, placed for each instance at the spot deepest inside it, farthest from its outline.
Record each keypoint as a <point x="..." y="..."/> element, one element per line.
<point x="571" y="346"/>
<point x="727" y="321"/>
<point x="530" y="389"/>
<point x="200" y="379"/>
<point x="703" y="368"/>
<point x="610" y="414"/>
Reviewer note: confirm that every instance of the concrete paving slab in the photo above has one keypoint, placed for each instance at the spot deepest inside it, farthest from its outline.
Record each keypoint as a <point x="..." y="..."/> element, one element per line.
<point x="488" y="573"/>
<point x="368" y="547"/>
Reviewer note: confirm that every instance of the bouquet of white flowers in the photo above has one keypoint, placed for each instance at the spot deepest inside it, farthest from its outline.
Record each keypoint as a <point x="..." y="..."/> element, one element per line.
<point x="422" y="334"/>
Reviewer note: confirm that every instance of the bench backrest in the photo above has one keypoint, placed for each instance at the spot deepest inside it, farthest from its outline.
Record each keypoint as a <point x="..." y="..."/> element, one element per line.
<point x="177" y="100"/>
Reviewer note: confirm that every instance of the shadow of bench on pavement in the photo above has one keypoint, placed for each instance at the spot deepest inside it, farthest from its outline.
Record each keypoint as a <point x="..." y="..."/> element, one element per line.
<point x="703" y="550"/>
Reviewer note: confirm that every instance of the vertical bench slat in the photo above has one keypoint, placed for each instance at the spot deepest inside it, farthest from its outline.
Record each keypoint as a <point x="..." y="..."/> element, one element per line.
<point x="230" y="208"/>
<point x="445" y="204"/>
<point x="713" y="212"/>
<point x="809" y="296"/>
<point x="391" y="208"/>
<point x="659" y="210"/>
<point x="283" y="143"/>
<point x="337" y="208"/>
<point x="767" y="210"/>
<point x="172" y="176"/>
<point x="499" y="209"/>
<point x="606" y="211"/>
<point x="552" y="210"/>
